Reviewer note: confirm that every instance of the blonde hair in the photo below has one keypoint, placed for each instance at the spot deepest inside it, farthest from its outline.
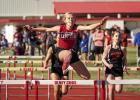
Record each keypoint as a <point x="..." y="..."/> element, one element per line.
<point x="67" y="13"/>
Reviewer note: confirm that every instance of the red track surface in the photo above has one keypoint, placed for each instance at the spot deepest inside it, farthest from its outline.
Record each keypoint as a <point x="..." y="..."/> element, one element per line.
<point x="17" y="92"/>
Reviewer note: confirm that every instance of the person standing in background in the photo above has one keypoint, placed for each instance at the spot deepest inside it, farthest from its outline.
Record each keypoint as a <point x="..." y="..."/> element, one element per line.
<point x="124" y="41"/>
<point x="84" y="47"/>
<point x="99" y="44"/>
<point x="4" y="44"/>
<point x="137" y="43"/>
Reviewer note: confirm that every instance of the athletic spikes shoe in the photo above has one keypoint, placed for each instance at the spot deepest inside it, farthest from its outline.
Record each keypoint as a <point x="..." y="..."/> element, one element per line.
<point x="66" y="70"/>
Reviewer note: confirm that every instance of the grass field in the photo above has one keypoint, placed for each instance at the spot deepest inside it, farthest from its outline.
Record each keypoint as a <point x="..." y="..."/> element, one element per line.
<point x="131" y="56"/>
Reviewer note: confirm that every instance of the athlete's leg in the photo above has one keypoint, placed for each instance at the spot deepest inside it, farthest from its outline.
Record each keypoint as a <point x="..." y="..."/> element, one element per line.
<point x="78" y="66"/>
<point x="64" y="88"/>
<point x="65" y="57"/>
<point x="81" y="69"/>
<point x="57" y="93"/>
<point x="110" y="88"/>
<point x="118" y="88"/>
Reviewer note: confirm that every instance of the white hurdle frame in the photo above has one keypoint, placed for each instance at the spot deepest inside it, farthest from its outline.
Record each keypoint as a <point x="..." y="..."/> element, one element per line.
<point x="51" y="82"/>
<point x="69" y="82"/>
<point x="22" y="57"/>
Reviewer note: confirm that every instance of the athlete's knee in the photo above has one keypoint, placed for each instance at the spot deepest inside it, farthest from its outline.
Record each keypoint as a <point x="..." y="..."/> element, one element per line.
<point x="88" y="76"/>
<point x="56" y="94"/>
<point x="118" y="90"/>
<point x="68" y="57"/>
<point x="65" y="56"/>
<point x="64" y="93"/>
<point x="64" y="89"/>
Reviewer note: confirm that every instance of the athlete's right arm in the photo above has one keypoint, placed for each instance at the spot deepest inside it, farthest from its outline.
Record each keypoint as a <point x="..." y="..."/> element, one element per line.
<point x="105" y="54"/>
<point x="44" y="29"/>
<point x="48" y="57"/>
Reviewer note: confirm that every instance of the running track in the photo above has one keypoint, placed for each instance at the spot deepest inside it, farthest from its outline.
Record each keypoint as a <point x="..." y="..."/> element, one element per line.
<point x="16" y="92"/>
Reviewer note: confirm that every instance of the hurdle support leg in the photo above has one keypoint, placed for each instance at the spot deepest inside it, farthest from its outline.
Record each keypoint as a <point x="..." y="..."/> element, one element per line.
<point x="25" y="73"/>
<point x="48" y="85"/>
<point x="99" y="86"/>
<point x="26" y="90"/>
<point x="36" y="90"/>
<point x="103" y="91"/>
<point x="6" y="86"/>
<point x="14" y="75"/>
<point x="95" y="90"/>
<point x="0" y="84"/>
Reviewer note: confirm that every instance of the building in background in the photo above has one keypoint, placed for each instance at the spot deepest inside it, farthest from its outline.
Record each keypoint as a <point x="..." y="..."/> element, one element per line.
<point x="49" y="12"/>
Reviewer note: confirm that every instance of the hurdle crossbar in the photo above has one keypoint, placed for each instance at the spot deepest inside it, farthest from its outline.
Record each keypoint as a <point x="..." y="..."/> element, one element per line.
<point x="24" y="68"/>
<point x="18" y="68"/>
<point x="133" y="81"/>
<point x="70" y="82"/>
<point x="22" y="57"/>
<point x="49" y="82"/>
<point x="19" y="61"/>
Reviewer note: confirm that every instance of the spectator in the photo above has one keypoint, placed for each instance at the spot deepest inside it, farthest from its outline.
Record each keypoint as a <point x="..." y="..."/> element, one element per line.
<point x="32" y="42"/>
<point x="99" y="44"/>
<point x="4" y="45"/>
<point x="49" y="40"/>
<point x="107" y="38"/>
<point x="137" y="42"/>
<point x="84" y="47"/>
<point x="43" y="45"/>
<point x="18" y="47"/>
<point x="25" y="40"/>
<point x="124" y="41"/>
<point x="91" y="46"/>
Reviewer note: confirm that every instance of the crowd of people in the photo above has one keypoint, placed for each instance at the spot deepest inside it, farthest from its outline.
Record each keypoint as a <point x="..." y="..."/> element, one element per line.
<point x="65" y="45"/>
<point x="88" y="41"/>
<point x="26" y="42"/>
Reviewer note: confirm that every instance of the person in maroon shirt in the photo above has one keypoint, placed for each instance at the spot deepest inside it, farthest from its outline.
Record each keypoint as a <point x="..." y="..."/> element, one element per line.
<point x="17" y="44"/>
<point x="107" y="38"/>
<point x="66" y="49"/>
<point x="124" y="41"/>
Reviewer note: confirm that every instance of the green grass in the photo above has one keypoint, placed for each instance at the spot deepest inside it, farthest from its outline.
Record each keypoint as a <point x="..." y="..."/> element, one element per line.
<point x="131" y="56"/>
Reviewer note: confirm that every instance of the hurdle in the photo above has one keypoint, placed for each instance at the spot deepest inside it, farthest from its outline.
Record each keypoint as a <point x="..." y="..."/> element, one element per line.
<point x="68" y="82"/>
<point x="21" y="59"/>
<point x="0" y="84"/>
<point x="52" y="82"/>
<point x="13" y="59"/>
<point x="126" y="82"/>
<point x="28" y="72"/>
<point x="40" y="69"/>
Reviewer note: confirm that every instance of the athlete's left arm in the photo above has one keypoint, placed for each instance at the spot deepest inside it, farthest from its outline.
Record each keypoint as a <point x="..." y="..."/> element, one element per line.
<point x="92" y="26"/>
